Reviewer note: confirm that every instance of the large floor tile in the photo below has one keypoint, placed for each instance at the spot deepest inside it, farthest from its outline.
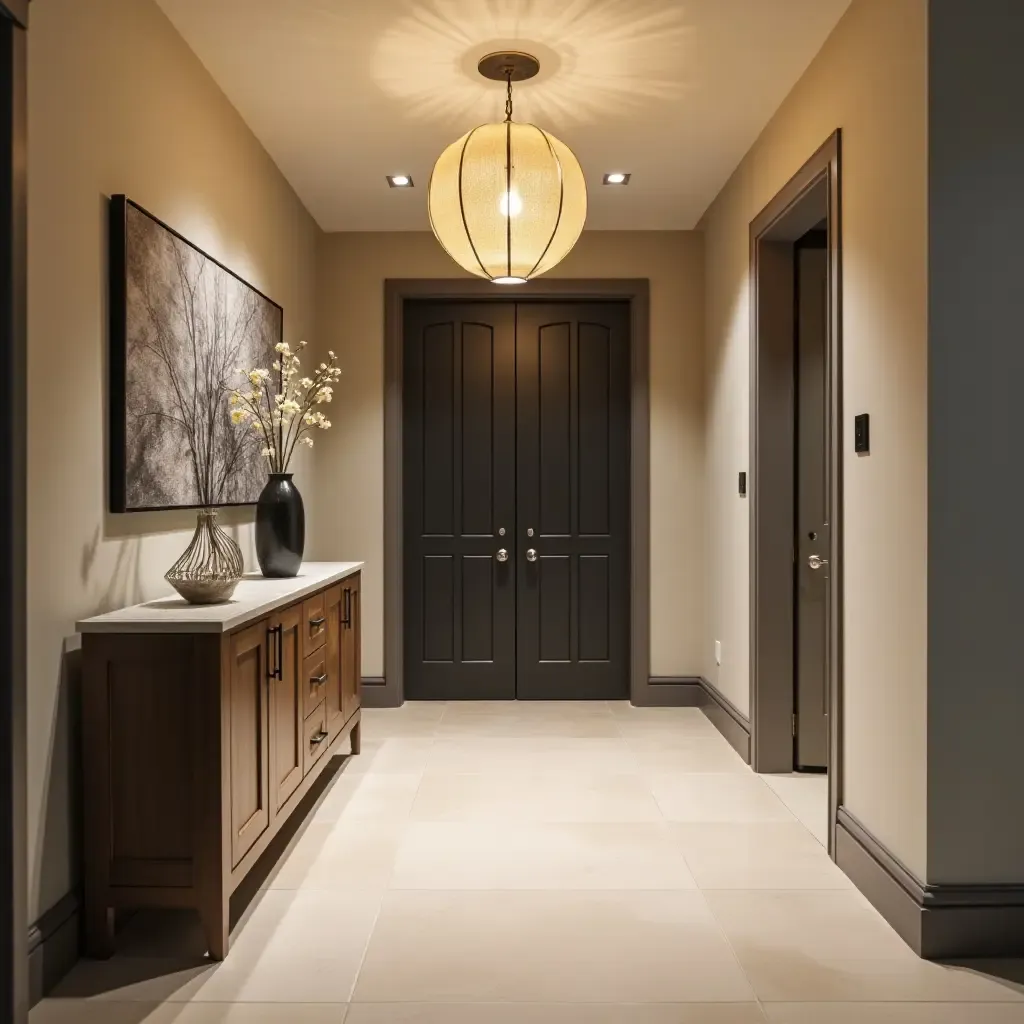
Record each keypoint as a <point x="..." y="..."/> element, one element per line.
<point x="540" y="754"/>
<point x="525" y="855"/>
<point x="535" y="709"/>
<point x="548" y="947"/>
<point x="525" y="726"/>
<point x="702" y="754"/>
<point x="69" y="1011"/>
<point x="340" y="856"/>
<point x="806" y="795"/>
<point x="833" y="946"/>
<point x="895" y="1013"/>
<point x="665" y="731"/>
<point x="554" y="1013"/>
<point x="416" y="719"/>
<point x="302" y="946"/>
<point x="368" y="797"/>
<point x="395" y="755"/>
<point x="721" y="797"/>
<point x="757" y="855"/>
<point x="534" y="797"/>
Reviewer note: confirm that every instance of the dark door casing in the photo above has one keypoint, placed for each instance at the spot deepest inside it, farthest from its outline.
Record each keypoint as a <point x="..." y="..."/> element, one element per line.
<point x="516" y="418"/>
<point x="812" y="529"/>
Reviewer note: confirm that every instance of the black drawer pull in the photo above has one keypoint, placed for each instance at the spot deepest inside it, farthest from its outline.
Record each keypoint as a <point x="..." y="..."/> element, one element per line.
<point x="316" y="624"/>
<point x="315" y="741"/>
<point x="318" y="680"/>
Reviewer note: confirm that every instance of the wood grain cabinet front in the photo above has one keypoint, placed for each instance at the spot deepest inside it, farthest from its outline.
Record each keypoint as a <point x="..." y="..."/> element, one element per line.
<point x="287" y="706"/>
<point x="249" y="677"/>
<point x="197" y="748"/>
<point x="351" y="655"/>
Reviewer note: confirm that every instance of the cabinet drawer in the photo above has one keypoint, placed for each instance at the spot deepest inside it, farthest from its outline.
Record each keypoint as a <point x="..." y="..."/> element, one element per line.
<point x="314" y="680"/>
<point x="316" y="741"/>
<point x="314" y="623"/>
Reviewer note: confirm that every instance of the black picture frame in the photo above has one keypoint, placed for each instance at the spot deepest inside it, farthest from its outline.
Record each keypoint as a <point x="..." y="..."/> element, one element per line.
<point x="119" y="351"/>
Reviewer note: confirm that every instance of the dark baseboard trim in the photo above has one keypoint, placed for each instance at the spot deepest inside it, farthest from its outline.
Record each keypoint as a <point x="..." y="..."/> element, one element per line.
<point x="375" y="693"/>
<point x="53" y="946"/>
<point x="670" y="692"/>
<point x="939" y="922"/>
<point x="727" y="719"/>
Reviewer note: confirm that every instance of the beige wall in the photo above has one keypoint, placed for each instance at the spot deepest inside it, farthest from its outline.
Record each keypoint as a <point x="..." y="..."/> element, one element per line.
<point x="118" y="103"/>
<point x="351" y="270"/>
<point x="870" y="80"/>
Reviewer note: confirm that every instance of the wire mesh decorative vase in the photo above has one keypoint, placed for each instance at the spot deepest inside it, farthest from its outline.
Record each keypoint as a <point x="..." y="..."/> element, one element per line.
<point x="210" y="568"/>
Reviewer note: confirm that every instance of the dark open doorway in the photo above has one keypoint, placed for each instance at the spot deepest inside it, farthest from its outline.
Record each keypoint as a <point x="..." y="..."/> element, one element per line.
<point x="796" y="479"/>
<point x="13" y="846"/>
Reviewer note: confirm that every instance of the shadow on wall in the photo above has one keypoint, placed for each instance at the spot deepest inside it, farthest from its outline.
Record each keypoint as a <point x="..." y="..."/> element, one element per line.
<point x="60" y="824"/>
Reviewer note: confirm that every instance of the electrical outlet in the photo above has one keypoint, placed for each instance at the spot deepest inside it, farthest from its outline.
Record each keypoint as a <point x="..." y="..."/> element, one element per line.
<point x="718" y="652"/>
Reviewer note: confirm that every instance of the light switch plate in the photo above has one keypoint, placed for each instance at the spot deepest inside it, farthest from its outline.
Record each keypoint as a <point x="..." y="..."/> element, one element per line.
<point x="718" y="652"/>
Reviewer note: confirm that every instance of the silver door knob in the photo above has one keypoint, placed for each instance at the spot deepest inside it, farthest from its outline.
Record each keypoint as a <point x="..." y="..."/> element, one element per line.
<point x="816" y="562"/>
<point x="531" y="555"/>
<point x="502" y="555"/>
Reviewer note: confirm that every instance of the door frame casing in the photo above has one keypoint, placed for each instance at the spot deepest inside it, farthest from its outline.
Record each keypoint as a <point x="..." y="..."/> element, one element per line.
<point x="772" y="457"/>
<point x="390" y="692"/>
<point x="14" y="973"/>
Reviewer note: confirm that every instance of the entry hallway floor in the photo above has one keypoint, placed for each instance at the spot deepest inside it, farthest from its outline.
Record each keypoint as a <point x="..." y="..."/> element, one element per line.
<point x="552" y="863"/>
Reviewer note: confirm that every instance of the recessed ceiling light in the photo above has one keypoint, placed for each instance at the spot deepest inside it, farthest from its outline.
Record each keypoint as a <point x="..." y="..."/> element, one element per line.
<point x="399" y="180"/>
<point x="616" y="178"/>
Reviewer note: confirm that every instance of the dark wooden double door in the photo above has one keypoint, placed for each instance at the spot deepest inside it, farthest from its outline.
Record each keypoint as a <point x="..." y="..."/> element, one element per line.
<point x="516" y="500"/>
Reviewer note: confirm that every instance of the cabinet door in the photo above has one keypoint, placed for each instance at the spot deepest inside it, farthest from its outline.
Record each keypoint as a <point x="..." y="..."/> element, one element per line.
<point x="287" y="705"/>
<point x="250" y="796"/>
<point x="334" y="709"/>
<point x="351" y="660"/>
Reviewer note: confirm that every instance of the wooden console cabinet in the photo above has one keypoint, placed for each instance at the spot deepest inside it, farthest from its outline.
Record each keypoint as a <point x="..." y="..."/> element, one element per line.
<point x="203" y="728"/>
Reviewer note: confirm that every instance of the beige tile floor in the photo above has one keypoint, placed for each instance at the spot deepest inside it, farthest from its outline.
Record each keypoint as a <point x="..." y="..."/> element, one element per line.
<point x="545" y="864"/>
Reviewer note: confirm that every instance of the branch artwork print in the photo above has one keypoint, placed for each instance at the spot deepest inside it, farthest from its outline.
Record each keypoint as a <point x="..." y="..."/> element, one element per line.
<point x="190" y="324"/>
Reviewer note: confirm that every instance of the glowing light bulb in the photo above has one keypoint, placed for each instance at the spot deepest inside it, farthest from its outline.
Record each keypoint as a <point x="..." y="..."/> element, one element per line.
<point x="510" y="204"/>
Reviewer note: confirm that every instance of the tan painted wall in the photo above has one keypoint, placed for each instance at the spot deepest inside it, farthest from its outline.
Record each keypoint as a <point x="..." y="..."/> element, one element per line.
<point x="351" y="270"/>
<point x="118" y="103"/>
<point x="870" y="80"/>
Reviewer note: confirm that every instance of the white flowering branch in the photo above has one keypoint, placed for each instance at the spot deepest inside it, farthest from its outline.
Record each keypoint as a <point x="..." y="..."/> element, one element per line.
<point x="285" y="417"/>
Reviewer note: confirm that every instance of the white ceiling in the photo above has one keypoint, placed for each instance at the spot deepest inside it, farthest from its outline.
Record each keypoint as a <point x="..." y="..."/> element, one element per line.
<point x="342" y="92"/>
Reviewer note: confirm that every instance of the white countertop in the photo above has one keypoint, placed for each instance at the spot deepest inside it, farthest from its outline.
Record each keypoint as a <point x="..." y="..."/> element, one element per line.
<point x="254" y="596"/>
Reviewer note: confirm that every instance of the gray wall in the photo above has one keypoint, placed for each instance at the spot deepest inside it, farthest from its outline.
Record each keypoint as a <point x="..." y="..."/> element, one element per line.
<point x="976" y="441"/>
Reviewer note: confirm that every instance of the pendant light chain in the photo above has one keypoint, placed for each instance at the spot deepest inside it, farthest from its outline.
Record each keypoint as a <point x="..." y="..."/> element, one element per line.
<point x="508" y="97"/>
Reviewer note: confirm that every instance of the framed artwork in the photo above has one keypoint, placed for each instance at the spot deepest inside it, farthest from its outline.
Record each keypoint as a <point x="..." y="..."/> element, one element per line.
<point x="181" y="326"/>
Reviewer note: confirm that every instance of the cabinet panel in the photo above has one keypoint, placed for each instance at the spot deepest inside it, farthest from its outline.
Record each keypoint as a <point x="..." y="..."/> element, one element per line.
<point x="332" y="654"/>
<point x="351" y="666"/>
<point x="250" y="803"/>
<point x="287" y="705"/>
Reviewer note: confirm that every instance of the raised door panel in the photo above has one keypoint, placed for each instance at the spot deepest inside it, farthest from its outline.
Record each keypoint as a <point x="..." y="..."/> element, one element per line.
<point x="572" y="492"/>
<point x="351" y="657"/>
<point x="287" y="706"/>
<point x="333" y="699"/>
<point x="249" y="739"/>
<point x="459" y="500"/>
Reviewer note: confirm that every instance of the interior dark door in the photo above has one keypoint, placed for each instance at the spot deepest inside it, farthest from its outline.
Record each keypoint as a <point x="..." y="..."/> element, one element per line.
<point x="812" y="540"/>
<point x="459" y="500"/>
<point x="573" y="490"/>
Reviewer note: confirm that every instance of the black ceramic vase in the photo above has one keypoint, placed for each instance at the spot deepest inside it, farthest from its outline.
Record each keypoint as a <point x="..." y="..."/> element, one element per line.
<point x="280" y="527"/>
